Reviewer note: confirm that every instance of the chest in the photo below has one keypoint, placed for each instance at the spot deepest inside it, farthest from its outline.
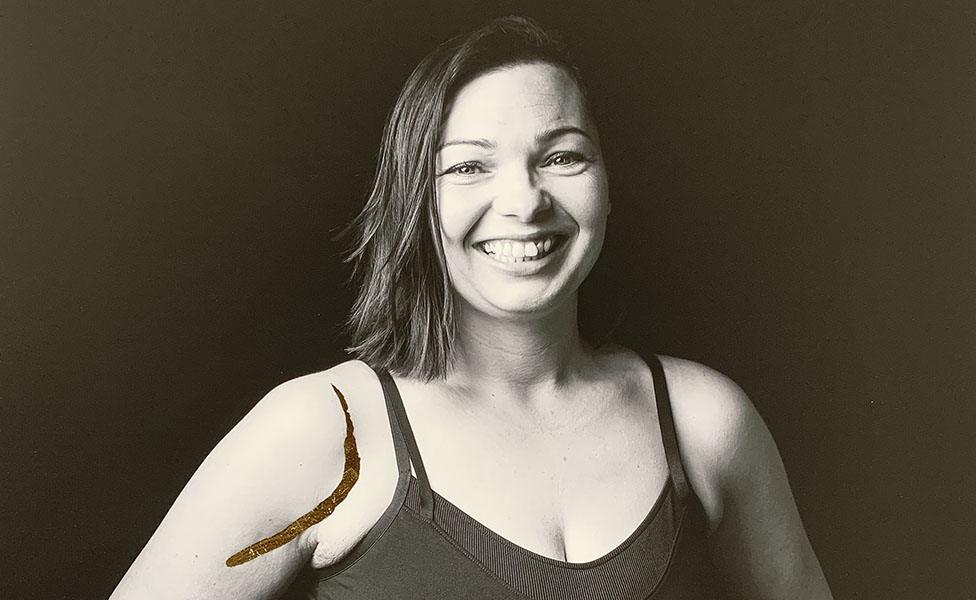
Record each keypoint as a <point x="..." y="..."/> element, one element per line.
<point x="570" y="488"/>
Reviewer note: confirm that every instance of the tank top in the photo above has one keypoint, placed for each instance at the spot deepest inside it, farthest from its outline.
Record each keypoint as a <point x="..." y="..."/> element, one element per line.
<point x="424" y="547"/>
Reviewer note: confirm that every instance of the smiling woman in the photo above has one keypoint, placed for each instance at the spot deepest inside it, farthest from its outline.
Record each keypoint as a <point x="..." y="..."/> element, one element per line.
<point x="519" y="170"/>
<point x="502" y="454"/>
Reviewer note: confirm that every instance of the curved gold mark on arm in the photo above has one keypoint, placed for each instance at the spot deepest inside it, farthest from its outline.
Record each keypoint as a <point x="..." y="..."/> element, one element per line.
<point x="350" y="475"/>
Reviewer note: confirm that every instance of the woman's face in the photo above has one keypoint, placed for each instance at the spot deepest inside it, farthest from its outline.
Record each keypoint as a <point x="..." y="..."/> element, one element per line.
<point x="521" y="190"/>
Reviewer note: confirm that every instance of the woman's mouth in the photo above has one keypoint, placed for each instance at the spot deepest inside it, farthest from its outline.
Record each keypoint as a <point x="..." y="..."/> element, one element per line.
<point x="512" y="251"/>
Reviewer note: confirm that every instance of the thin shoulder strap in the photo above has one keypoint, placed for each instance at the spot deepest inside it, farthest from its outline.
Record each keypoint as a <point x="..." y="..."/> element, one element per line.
<point x="399" y="446"/>
<point x="668" y="434"/>
<point x="403" y="435"/>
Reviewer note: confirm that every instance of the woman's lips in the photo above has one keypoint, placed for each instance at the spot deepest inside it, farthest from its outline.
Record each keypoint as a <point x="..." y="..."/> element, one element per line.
<point x="516" y="251"/>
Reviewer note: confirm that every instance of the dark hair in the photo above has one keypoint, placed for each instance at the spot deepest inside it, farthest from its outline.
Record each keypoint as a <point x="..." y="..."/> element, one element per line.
<point x="403" y="316"/>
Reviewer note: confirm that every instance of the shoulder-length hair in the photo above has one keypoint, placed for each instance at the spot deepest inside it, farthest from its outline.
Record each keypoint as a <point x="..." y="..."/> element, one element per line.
<point x="403" y="316"/>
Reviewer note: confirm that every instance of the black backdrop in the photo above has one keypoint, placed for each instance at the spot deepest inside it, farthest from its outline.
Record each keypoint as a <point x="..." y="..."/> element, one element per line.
<point x="792" y="188"/>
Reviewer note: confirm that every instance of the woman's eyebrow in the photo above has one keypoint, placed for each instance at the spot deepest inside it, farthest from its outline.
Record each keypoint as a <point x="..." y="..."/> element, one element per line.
<point x="480" y="142"/>
<point x="551" y="134"/>
<point x="542" y="137"/>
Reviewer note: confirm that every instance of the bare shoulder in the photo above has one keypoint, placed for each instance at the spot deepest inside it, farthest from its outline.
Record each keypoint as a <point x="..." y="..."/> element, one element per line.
<point x="720" y="433"/>
<point x="756" y="533"/>
<point x="275" y="465"/>
<point x="294" y="437"/>
<point x="297" y="429"/>
<point x="305" y="411"/>
<point x="707" y="402"/>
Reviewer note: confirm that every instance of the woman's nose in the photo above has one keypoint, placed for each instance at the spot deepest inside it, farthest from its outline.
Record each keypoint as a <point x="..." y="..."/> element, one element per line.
<point x="519" y="195"/>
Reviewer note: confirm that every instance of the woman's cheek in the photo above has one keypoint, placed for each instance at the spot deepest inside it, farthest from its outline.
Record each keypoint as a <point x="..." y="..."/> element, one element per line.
<point x="584" y="196"/>
<point x="447" y="208"/>
<point x="459" y="212"/>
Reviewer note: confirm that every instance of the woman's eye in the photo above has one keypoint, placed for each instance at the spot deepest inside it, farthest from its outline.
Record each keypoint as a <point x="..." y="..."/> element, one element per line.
<point x="565" y="159"/>
<point x="465" y="168"/>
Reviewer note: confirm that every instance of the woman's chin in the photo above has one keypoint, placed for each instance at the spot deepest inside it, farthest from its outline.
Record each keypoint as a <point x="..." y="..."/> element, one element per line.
<point x="519" y="307"/>
<point x="522" y="298"/>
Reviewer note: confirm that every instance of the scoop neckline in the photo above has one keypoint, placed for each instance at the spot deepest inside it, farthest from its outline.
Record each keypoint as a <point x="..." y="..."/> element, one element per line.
<point x="497" y="537"/>
<point x="668" y="488"/>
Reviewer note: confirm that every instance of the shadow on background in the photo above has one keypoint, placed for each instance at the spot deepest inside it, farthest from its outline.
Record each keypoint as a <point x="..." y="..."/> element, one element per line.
<point x="793" y="205"/>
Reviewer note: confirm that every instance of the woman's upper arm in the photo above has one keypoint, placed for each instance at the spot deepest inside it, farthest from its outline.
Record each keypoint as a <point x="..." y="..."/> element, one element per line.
<point x="274" y="466"/>
<point x="733" y="464"/>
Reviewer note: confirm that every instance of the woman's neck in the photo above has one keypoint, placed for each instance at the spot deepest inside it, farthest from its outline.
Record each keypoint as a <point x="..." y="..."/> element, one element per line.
<point x="517" y="357"/>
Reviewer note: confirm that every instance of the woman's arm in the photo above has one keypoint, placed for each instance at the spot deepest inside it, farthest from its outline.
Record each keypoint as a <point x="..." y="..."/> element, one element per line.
<point x="278" y="463"/>
<point x="756" y="537"/>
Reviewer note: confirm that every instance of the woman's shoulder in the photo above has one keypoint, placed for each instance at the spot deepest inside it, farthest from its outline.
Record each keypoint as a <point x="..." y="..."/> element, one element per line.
<point x="737" y="473"/>
<point x="721" y="436"/>
<point x="307" y="391"/>
<point x="303" y="424"/>
<point x="295" y="437"/>
<point x="317" y="393"/>
<point x="274" y="466"/>
<point x="697" y="392"/>
<point x="297" y="429"/>
<point x="704" y="396"/>
<point x="305" y="413"/>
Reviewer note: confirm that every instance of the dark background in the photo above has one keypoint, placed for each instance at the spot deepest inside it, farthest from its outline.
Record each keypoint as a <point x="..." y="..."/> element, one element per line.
<point x="793" y="205"/>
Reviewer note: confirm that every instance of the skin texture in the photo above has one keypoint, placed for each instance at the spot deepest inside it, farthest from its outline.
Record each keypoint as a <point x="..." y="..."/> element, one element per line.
<point x="532" y="432"/>
<point x="757" y="538"/>
<point x="520" y="164"/>
<point x="350" y="475"/>
<point x="281" y="459"/>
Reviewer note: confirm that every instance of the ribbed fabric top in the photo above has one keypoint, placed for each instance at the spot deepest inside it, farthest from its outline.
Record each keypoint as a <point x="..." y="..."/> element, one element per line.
<point x="423" y="546"/>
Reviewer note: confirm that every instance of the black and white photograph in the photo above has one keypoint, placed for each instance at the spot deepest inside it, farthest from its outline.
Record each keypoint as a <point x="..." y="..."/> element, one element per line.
<point x="528" y="301"/>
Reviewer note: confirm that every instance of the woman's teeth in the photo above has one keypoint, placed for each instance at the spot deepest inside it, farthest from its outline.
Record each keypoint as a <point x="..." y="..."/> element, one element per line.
<point x="518" y="251"/>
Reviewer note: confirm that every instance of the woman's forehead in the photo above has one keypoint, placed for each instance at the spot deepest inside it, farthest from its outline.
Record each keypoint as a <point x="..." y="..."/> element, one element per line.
<point x="510" y="99"/>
